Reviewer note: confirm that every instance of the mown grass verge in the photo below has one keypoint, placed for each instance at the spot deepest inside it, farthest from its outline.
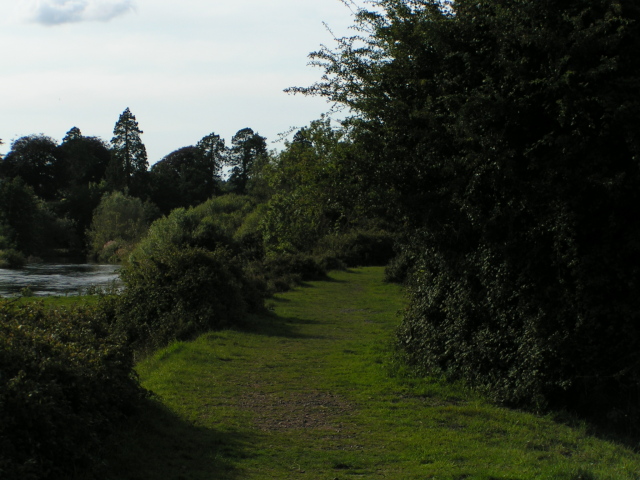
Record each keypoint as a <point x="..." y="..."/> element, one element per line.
<point x="315" y="391"/>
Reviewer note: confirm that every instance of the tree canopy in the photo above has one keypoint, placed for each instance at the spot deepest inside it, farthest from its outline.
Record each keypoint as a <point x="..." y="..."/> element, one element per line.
<point x="35" y="159"/>
<point x="247" y="148"/>
<point x="85" y="159"/>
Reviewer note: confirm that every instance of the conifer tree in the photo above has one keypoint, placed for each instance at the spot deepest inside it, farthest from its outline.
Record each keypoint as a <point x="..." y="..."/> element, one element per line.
<point x="129" y="156"/>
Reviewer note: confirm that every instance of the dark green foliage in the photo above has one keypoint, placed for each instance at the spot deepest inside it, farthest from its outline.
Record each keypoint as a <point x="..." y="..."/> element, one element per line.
<point x="36" y="160"/>
<point x="316" y="194"/>
<point x="78" y="206"/>
<point x="65" y="381"/>
<point x="84" y="159"/>
<point x="63" y="181"/>
<point x="188" y="176"/>
<point x="84" y="163"/>
<point x="359" y="247"/>
<point x="248" y="149"/>
<point x="506" y="136"/>
<point x="285" y="271"/>
<point x="181" y="291"/>
<point x="128" y="166"/>
<point x="119" y="222"/>
<point x="186" y="276"/>
<point x="221" y="220"/>
<point x="19" y="208"/>
<point x="212" y="155"/>
<point x="398" y="270"/>
<point x="293" y="222"/>
<point x="171" y="180"/>
<point x="28" y="225"/>
<point x="11" y="258"/>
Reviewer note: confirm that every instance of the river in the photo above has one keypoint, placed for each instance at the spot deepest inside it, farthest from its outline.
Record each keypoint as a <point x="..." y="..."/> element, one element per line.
<point x="45" y="279"/>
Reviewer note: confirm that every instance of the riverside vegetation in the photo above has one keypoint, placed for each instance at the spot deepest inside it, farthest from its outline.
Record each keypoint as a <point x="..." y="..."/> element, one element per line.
<point x="489" y="157"/>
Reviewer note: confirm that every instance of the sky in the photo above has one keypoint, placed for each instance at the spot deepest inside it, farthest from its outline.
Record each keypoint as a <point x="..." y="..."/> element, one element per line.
<point x="184" y="68"/>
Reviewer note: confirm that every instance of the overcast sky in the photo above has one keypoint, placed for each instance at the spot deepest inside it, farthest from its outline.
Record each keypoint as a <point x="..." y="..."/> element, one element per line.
<point x="185" y="68"/>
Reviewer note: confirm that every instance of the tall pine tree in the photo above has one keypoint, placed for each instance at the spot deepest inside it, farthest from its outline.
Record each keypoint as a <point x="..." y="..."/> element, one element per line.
<point x="128" y="169"/>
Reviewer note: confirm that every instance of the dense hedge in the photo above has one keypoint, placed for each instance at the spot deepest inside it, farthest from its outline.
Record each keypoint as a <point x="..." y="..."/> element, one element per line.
<point x="188" y="275"/>
<point x="505" y="134"/>
<point x="179" y="292"/>
<point x="65" y="381"/>
<point x="526" y="277"/>
<point x="358" y="247"/>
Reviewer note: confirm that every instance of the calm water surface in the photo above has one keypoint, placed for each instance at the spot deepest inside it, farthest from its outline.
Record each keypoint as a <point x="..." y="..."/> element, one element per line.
<point x="57" y="279"/>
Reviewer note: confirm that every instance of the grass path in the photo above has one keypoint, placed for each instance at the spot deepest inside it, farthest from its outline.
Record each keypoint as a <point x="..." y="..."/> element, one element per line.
<point x="313" y="392"/>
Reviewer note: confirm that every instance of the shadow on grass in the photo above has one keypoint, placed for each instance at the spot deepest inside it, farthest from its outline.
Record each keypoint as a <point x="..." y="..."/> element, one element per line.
<point x="158" y="444"/>
<point x="278" y="300"/>
<point x="328" y="277"/>
<point x="600" y="427"/>
<point x="273" y="325"/>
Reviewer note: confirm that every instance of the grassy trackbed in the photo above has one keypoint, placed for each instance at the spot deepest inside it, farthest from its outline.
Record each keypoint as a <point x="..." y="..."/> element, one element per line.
<point x="313" y="392"/>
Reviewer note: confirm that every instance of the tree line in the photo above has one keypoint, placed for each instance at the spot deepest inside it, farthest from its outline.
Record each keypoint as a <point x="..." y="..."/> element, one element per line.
<point x="50" y="192"/>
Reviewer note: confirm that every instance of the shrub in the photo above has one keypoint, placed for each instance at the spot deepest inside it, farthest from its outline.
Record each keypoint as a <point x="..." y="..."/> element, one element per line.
<point x="358" y="247"/>
<point x="65" y="380"/>
<point x="530" y="334"/>
<point x="399" y="268"/>
<point x="283" y="272"/>
<point x="119" y="220"/>
<point x="186" y="276"/>
<point x="505" y="134"/>
<point x="11" y="258"/>
<point x="178" y="292"/>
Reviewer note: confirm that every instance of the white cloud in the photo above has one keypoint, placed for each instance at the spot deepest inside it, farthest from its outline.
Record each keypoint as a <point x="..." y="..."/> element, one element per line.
<point x="56" y="12"/>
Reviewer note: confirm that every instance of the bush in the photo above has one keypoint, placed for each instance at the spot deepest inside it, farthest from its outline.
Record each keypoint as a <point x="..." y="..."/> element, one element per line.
<point x="119" y="220"/>
<point x="282" y="272"/>
<point x="293" y="223"/>
<point x="358" y="247"/>
<point x="529" y="333"/>
<point x="507" y="134"/>
<point x="186" y="276"/>
<point x="65" y="381"/>
<point x="399" y="268"/>
<point x="11" y="258"/>
<point x="178" y="293"/>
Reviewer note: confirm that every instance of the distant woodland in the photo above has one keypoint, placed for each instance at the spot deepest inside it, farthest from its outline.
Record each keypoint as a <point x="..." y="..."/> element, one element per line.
<point x="61" y="200"/>
<point x="490" y="158"/>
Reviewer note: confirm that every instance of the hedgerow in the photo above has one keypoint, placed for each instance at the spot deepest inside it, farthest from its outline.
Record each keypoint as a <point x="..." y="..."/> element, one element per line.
<point x="358" y="247"/>
<point x="179" y="292"/>
<point x="504" y="135"/>
<point x="66" y="380"/>
<point x="187" y="276"/>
